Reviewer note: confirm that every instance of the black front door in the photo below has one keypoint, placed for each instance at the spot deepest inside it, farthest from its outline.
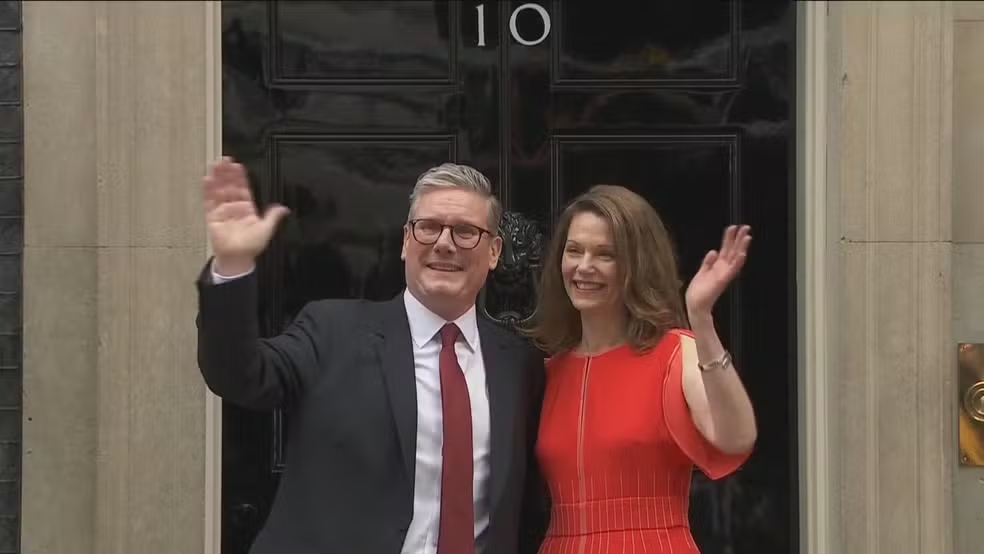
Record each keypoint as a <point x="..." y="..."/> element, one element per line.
<point x="335" y="108"/>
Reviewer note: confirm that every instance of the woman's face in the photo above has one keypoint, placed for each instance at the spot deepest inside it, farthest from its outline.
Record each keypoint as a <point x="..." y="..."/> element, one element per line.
<point x="588" y="265"/>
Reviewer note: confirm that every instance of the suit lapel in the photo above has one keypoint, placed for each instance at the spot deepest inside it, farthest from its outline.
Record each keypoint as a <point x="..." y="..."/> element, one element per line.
<point x="396" y="363"/>
<point x="397" y="366"/>
<point x="500" y="378"/>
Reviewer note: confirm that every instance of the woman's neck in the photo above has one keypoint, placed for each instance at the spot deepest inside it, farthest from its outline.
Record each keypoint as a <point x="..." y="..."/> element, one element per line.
<point x="601" y="332"/>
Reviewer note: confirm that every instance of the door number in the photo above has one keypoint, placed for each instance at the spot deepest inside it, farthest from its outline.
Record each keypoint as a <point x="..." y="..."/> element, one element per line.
<point x="513" y="30"/>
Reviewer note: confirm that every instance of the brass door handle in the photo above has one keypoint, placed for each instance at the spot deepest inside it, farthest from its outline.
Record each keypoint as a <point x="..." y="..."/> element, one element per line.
<point x="973" y="401"/>
<point x="970" y="408"/>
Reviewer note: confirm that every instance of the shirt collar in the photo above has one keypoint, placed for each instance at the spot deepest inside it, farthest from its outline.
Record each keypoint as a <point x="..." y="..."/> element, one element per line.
<point x="424" y="324"/>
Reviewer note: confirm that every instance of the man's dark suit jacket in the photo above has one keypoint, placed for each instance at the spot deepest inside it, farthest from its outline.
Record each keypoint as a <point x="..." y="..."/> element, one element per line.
<point x="344" y="371"/>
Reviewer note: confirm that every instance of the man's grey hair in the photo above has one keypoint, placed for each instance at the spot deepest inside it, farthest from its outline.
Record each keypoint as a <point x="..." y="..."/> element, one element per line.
<point x="452" y="175"/>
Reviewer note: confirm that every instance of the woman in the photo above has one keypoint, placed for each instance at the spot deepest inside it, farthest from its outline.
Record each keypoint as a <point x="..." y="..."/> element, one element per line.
<point x="633" y="400"/>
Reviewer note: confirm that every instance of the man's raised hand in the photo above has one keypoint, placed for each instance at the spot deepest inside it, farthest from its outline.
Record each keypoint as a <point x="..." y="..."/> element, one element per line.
<point x="236" y="231"/>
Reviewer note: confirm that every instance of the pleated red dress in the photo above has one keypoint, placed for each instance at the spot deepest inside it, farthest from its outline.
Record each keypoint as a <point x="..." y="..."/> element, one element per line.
<point x="617" y="446"/>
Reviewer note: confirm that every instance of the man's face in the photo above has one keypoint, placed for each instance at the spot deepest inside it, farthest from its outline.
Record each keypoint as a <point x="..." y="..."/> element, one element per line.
<point x="446" y="276"/>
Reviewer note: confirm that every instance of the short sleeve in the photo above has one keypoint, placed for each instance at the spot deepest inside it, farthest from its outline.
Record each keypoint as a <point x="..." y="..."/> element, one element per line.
<point x="713" y="462"/>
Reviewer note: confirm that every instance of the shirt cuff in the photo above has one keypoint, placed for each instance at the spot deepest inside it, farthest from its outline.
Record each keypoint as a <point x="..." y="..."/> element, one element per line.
<point x="219" y="279"/>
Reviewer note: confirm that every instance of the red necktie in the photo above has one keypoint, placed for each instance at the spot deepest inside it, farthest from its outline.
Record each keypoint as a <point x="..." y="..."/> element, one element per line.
<point x="457" y="530"/>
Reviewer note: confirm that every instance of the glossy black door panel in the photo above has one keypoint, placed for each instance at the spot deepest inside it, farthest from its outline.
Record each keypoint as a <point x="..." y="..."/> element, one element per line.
<point x="645" y="43"/>
<point x="335" y="107"/>
<point x="344" y="239"/>
<point x="362" y="42"/>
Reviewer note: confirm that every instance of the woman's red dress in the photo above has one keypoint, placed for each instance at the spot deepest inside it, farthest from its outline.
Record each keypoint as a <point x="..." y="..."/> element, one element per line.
<point x="617" y="446"/>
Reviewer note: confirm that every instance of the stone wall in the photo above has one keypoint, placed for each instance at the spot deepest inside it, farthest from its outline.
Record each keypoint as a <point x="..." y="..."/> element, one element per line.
<point x="114" y="436"/>
<point x="892" y="355"/>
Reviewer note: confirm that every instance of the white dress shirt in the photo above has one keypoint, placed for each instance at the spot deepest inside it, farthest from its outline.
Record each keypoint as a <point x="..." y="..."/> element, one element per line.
<point x="424" y="330"/>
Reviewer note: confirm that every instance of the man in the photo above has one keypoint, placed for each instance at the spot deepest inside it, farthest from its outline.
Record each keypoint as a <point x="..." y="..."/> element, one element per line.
<point x="412" y="421"/>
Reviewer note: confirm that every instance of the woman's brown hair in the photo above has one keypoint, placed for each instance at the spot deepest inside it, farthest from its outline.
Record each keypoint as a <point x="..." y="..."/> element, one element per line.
<point x="646" y="264"/>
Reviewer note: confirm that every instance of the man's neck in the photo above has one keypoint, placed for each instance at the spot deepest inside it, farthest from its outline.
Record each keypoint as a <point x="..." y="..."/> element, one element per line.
<point x="448" y="311"/>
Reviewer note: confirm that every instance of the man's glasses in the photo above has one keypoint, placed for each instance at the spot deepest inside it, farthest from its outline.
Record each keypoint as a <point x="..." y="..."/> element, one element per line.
<point x="464" y="235"/>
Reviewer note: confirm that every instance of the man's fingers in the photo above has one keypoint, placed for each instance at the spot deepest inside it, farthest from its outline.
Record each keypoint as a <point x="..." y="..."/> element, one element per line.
<point x="235" y="194"/>
<point x="231" y="180"/>
<point x="215" y="192"/>
<point x="238" y="175"/>
<point x="231" y="210"/>
<point x="210" y="193"/>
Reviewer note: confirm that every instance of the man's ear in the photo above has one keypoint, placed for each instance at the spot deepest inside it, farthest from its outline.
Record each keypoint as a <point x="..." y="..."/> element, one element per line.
<point x="496" y="251"/>
<point x="406" y="237"/>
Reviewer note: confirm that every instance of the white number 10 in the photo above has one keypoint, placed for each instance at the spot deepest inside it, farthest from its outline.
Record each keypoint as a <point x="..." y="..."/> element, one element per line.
<point x="513" y="30"/>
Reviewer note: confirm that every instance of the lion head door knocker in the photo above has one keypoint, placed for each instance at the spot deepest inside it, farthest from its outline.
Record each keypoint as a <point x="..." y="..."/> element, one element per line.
<point x="509" y="295"/>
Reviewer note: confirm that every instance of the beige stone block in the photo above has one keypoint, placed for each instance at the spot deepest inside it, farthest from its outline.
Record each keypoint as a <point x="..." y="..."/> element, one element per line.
<point x="59" y="122"/>
<point x="168" y="468"/>
<point x="968" y="293"/>
<point x="152" y="123"/>
<point x="968" y="10"/>
<point x="153" y="400"/>
<point x="894" y="162"/>
<point x="968" y="508"/>
<point x="60" y="400"/>
<point x="894" y="375"/>
<point x="115" y="327"/>
<point x="968" y="131"/>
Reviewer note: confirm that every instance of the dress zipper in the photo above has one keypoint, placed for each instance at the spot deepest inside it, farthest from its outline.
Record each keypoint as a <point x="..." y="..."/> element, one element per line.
<point x="580" y="449"/>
